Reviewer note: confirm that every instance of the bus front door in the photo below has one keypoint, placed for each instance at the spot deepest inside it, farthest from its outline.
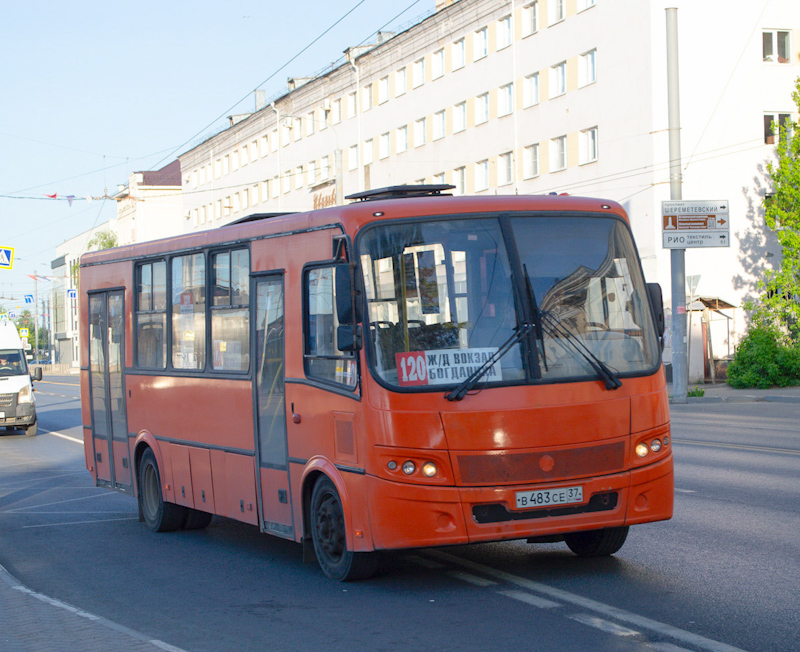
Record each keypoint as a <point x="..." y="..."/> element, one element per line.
<point x="275" y="497"/>
<point x="106" y="384"/>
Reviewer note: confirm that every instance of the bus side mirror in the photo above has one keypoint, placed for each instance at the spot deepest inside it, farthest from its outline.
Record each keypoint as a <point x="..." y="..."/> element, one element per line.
<point x="657" y="303"/>
<point x="348" y="333"/>
<point x="37" y="374"/>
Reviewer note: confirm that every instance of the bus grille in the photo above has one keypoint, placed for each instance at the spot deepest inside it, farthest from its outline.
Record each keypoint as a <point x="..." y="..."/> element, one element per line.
<point x="6" y="400"/>
<point x="522" y="468"/>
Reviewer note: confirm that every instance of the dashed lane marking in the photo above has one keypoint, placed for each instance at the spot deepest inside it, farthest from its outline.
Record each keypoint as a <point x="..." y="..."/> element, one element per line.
<point x="530" y="599"/>
<point x="588" y="604"/>
<point x="604" y="625"/>
<point x="471" y="579"/>
<point x="63" y="436"/>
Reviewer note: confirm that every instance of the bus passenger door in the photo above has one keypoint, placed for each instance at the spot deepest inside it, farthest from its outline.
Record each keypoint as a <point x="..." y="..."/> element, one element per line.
<point x="275" y="498"/>
<point x="106" y="384"/>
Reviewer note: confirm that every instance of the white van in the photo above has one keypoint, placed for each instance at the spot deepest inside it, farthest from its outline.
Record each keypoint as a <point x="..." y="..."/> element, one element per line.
<point x="17" y="402"/>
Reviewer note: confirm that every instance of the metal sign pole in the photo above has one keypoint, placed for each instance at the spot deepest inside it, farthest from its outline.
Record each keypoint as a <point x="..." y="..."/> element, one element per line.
<point x="677" y="256"/>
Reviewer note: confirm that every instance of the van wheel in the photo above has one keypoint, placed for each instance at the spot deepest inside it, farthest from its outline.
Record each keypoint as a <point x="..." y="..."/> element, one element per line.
<point x="159" y="516"/>
<point x="597" y="543"/>
<point x="330" y="541"/>
<point x="32" y="429"/>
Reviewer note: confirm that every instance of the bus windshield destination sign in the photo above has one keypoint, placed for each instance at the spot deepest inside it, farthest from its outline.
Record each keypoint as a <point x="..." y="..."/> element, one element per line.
<point x="695" y="224"/>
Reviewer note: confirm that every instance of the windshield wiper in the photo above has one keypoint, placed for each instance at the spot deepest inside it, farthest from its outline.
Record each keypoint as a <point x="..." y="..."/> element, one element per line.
<point x="605" y="372"/>
<point x="470" y="381"/>
<point x="537" y="317"/>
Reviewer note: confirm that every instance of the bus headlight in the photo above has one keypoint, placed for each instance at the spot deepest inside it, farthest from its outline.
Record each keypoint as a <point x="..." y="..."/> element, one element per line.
<point x="24" y="395"/>
<point x="409" y="467"/>
<point x="655" y="445"/>
<point x="429" y="469"/>
<point x="642" y="449"/>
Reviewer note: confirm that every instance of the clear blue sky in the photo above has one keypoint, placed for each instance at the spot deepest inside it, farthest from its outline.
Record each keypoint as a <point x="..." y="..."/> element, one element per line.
<point x="92" y="91"/>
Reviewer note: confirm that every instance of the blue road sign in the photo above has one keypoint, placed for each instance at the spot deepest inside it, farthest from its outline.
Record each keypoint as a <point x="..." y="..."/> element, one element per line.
<point x="28" y="298"/>
<point x="72" y="294"/>
<point x="6" y="257"/>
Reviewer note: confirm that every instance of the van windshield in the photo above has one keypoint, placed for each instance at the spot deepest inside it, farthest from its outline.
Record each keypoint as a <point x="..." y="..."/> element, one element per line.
<point x="443" y="298"/>
<point x="12" y="363"/>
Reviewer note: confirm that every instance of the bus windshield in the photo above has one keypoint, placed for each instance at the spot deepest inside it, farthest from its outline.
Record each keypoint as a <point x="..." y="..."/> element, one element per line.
<point x="442" y="298"/>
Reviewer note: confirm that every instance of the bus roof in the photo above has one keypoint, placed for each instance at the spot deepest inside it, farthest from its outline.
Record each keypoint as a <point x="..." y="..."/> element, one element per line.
<point x="352" y="217"/>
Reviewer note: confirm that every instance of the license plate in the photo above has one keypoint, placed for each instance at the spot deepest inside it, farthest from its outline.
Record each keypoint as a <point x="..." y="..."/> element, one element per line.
<point x="545" y="497"/>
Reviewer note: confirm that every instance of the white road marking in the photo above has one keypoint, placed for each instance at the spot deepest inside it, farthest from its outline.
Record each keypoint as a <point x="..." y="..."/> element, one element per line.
<point x="591" y="605"/>
<point x="667" y="647"/>
<point x="604" y="625"/>
<point x="61" y="502"/>
<point x="528" y="598"/>
<point x="471" y="579"/>
<point x="686" y="491"/>
<point x="63" y="436"/>
<point x="98" y="520"/>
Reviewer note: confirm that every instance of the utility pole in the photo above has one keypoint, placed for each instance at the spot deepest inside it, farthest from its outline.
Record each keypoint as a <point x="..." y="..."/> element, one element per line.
<point x="677" y="256"/>
<point x="36" y="316"/>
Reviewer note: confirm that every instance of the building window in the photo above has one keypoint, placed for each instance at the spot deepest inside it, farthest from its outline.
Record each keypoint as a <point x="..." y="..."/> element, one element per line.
<point x="459" y="117"/>
<point x="530" y="19"/>
<point x="555" y="11"/>
<point x="439" y="125"/>
<point x="402" y="139"/>
<point x="400" y="82"/>
<point x="298" y="176"/>
<point x="587" y="70"/>
<point x="480" y="44"/>
<point x="189" y="312"/>
<point x="481" y="108"/>
<point x="383" y="146"/>
<point x="481" y="176"/>
<point x="504" y="32"/>
<point x="297" y="128"/>
<point x="336" y="112"/>
<point x="530" y="90"/>
<point x="505" y="169"/>
<point x="310" y="124"/>
<point x="438" y="179"/>
<point x="352" y="157"/>
<point x="420" y="137"/>
<point x="312" y="172"/>
<point x="245" y="155"/>
<point x="588" y="146"/>
<point x="237" y="204"/>
<point x="783" y="122"/>
<point x="368" y="151"/>
<point x="558" y="154"/>
<point x="351" y="105"/>
<point x="230" y="311"/>
<point x="276" y="187"/>
<point x="151" y="315"/>
<point x="437" y="64"/>
<point x="324" y="167"/>
<point x="775" y="46"/>
<point x="505" y="100"/>
<point x="226" y="162"/>
<point x="460" y="181"/>
<point x="585" y="4"/>
<point x="558" y="79"/>
<point x="218" y="168"/>
<point x="383" y="90"/>
<point x="245" y="201"/>
<point x="530" y="161"/>
<point x="418" y="73"/>
<point x="273" y="139"/>
<point x="366" y="97"/>
<point x="459" y="57"/>
<point x="286" y="181"/>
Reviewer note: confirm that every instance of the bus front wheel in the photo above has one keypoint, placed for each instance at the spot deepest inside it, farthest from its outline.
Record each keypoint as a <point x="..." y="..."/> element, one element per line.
<point x="159" y="516"/>
<point x="329" y="537"/>
<point x="597" y="543"/>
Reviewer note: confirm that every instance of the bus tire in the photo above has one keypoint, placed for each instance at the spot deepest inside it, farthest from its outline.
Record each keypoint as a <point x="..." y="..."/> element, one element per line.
<point x="597" y="543"/>
<point x="32" y="429"/>
<point x="197" y="520"/>
<point x="159" y="516"/>
<point x="330" y="541"/>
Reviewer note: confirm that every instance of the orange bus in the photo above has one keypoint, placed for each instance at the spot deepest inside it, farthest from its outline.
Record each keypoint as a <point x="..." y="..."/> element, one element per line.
<point x="412" y="369"/>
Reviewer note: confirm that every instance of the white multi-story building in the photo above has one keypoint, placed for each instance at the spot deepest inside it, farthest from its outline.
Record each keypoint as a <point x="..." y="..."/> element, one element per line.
<point x="515" y="96"/>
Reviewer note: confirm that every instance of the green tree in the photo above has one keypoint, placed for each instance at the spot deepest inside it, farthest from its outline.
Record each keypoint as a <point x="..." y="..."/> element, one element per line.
<point x="105" y="239"/>
<point x="781" y="287"/>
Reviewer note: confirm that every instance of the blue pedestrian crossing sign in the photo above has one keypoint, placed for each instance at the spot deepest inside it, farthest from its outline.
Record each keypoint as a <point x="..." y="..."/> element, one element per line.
<point x="72" y="294"/>
<point x="6" y="257"/>
<point x="28" y="298"/>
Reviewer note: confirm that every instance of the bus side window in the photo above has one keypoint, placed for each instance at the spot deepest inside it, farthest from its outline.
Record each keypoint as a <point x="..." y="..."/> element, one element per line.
<point x="151" y="315"/>
<point x="323" y="359"/>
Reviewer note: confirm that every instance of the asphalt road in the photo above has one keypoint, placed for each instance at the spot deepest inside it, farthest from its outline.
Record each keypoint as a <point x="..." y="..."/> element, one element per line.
<point x="723" y="574"/>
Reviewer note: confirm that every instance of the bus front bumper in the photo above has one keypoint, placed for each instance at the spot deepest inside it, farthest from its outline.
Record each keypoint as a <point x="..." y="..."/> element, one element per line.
<point x="413" y="516"/>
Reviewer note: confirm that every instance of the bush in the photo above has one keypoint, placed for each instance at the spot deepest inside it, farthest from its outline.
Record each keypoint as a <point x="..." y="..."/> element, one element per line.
<point x="763" y="359"/>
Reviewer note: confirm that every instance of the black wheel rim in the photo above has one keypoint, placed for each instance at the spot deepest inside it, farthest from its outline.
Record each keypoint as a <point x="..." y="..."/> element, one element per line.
<point x="329" y="528"/>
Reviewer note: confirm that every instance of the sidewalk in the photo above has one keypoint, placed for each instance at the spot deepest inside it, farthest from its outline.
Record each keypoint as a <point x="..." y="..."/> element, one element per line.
<point x="724" y="393"/>
<point x="32" y="622"/>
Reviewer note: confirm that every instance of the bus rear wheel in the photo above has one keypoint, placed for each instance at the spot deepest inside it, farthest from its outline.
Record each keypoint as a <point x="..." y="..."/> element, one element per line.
<point x="329" y="537"/>
<point x="159" y="516"/>
<point x="597" y="543"/>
